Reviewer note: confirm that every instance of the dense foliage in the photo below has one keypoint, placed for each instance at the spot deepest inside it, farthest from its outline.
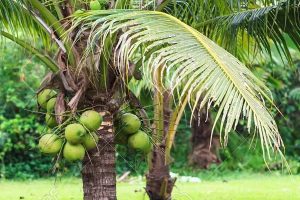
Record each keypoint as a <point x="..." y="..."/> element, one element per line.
<point x="19" y="128"/>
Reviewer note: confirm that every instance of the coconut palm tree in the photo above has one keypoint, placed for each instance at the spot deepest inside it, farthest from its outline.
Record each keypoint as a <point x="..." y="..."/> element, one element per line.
<point x="99" y="52"/>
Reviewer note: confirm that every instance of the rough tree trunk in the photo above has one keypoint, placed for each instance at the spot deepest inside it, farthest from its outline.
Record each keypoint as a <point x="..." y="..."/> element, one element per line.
<point x="160" y="184"/>
<point x="202" y="155"/>
<point x="98" y="173"/>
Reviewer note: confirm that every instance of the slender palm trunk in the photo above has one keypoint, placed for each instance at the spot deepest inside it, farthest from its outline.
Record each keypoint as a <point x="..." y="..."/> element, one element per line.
<point x="160" y="184"/>
<point x="98" y="173"/>
<point x="202" y="154"/>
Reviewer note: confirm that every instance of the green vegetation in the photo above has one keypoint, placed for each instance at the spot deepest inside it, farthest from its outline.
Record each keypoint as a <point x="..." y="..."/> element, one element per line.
<point x="237" y="186"/>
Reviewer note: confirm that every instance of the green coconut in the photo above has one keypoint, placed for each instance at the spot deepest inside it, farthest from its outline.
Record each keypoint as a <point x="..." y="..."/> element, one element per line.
<point x="75" y="133"/>
<point x="140" y="141"/>
<point x="50" y="143"/>
<point x="90" y="141"/>
<point x="95" y="5"/>
<point x="91" y="120"/>
<point x="130" y="123"/>
<point x="73" y="152"/>
<point x="50" y="120"/>
<point x="44" y="96"/>
<point x="51" y="105"/>
<point x="149" y="148"/>
<point x="98" y="4"/>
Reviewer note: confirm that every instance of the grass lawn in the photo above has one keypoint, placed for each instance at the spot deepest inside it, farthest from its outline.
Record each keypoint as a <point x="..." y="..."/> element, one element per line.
<point x="249" y="187"/>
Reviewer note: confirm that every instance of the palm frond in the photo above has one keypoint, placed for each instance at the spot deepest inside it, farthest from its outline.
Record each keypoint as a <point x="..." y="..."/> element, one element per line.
<point x="274" y="23"/>
<point x="295" y="94"/>
<point x="197" y="11"/>
<point x="16" y="19"/>
<point x="191" y="65"/>
<point x="33" y="19"/>
<point x="44" y="58"/>
<point x="193" y="12"/>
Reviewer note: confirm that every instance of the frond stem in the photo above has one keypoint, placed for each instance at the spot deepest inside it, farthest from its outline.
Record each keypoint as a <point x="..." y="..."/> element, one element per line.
<point x="174" y="122"/>
<point x="46" y="60"/>
<point x="57" y="26"/>
<point x="161" y="6"/>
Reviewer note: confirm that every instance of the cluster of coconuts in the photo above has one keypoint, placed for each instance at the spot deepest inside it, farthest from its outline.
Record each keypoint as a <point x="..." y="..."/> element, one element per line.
<point x="128" y="131"/>
<point x="75" y="138"/>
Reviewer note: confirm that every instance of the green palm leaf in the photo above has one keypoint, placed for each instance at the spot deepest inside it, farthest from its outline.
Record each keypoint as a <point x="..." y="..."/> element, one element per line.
<point x="44" y="58"/>
<point x="197" y="11"/>
<point x="190" y="64"/>
<point x="295" y="94"/>
<point x="193" y="12"/>
<point x="275" y="23"/>
<point x="15" y="18"/>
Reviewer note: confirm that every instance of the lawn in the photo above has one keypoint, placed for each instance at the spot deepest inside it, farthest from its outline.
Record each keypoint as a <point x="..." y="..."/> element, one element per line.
<point x="249" y="187"/>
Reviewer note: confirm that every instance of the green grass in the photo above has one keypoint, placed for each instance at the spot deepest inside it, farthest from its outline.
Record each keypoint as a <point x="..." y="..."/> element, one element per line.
<point x="247" y="187"/>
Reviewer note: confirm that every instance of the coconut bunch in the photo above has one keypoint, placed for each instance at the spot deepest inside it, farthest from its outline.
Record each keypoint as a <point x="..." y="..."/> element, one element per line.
<point x="128" y="132"/>
<point x="74" y="136"/>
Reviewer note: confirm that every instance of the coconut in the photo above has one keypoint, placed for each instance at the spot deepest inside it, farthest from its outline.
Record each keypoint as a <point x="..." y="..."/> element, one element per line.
<point x="91" y="120"/>
<point x="149" y="148"/>
<point x="90" y="141"/>
<point x="51" y="105"/>
<point x="44" y="96"/>
<point x="98" y="4"/>
<point x="130" y="123"/>
<point x="50" y="143"/>
<point x="139" y="141"/>
<point x="95" y="5"/>
<point x="75" y="133"/>
<point x="50" y="120"/>
<point x="73" y="152"/>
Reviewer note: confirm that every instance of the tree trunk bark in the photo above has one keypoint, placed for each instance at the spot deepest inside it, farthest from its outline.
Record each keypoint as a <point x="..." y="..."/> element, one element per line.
<point x="159" y="185"/>
<point x="202" y="155"/>
<point x="98" y="173"/>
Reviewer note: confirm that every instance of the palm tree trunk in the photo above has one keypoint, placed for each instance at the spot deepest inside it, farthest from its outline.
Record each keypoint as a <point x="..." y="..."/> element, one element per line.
<point x="159" y="182"/>
<point x="98" y="173"/>
<point x="202" y="154"/>
<point x="159" y="185"/>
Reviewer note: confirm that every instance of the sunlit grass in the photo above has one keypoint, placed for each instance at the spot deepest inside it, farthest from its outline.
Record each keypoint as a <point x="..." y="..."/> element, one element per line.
<point x="251" y="187"/>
